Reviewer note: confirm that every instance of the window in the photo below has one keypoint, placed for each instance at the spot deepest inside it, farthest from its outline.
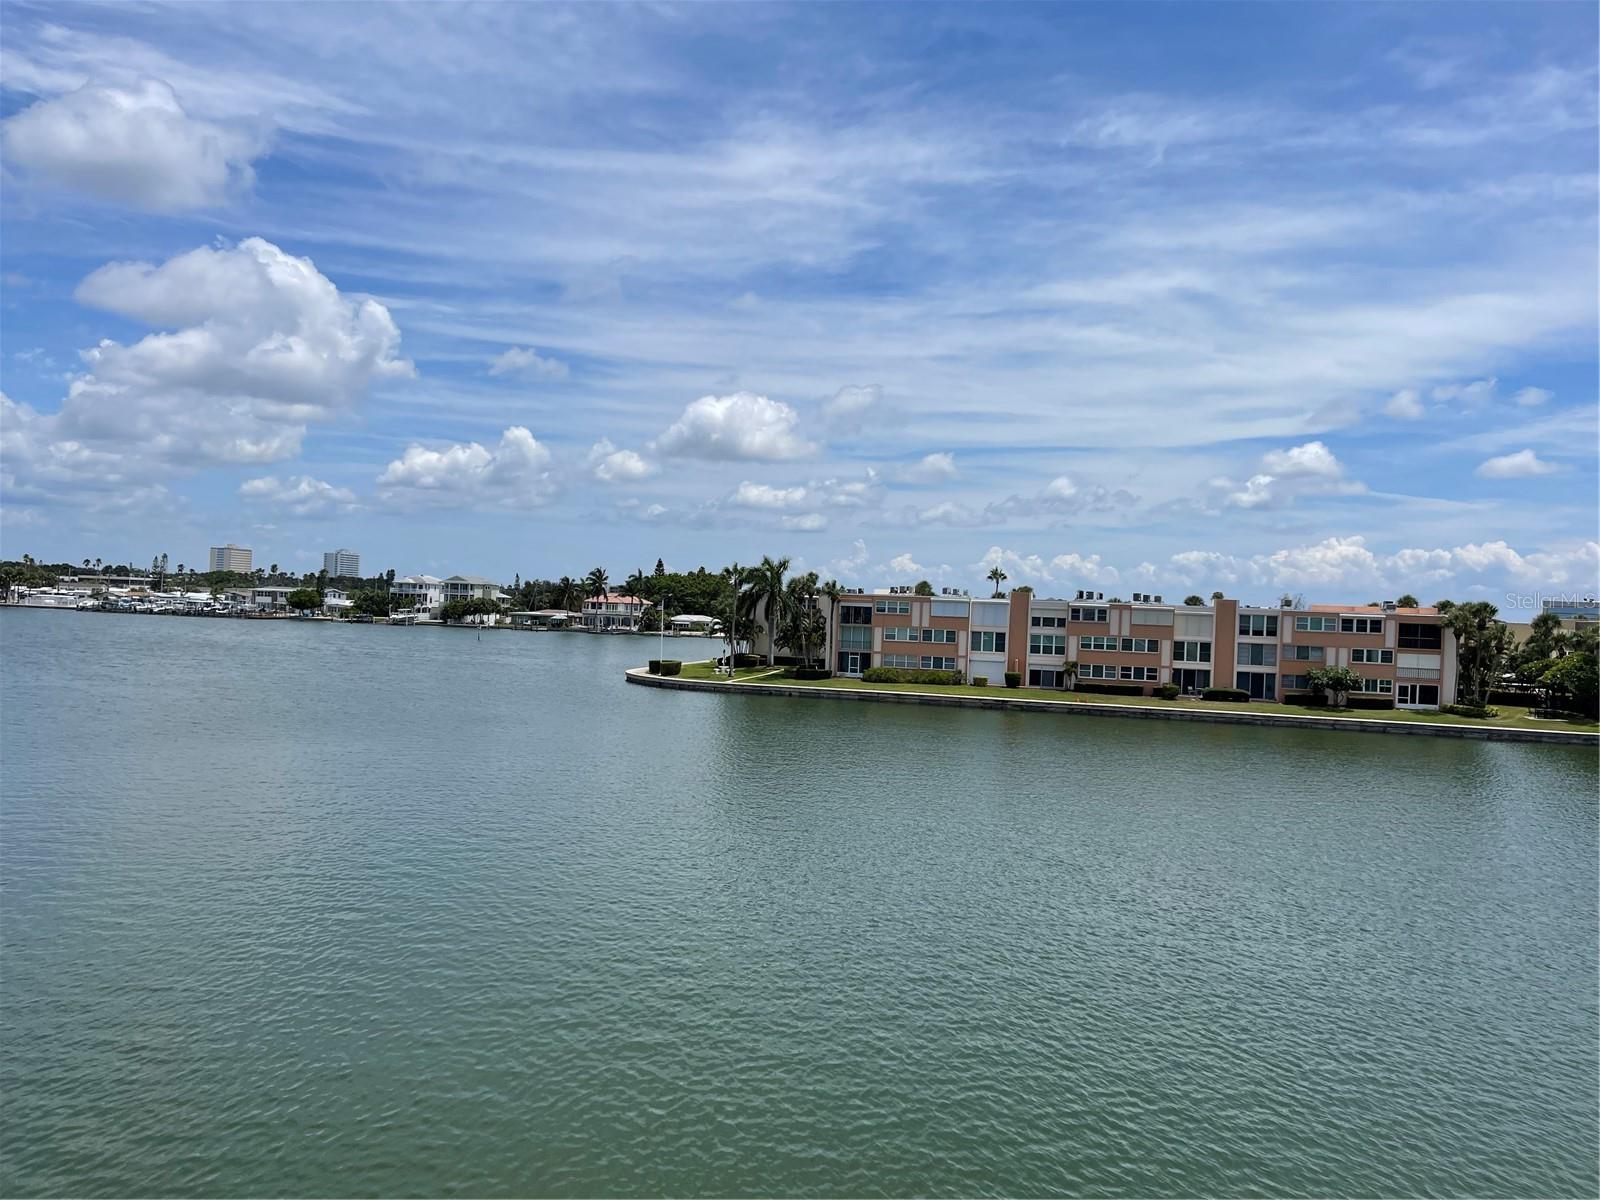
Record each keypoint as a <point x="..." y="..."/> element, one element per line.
<point x="855" y="637"/>
<point x="1191" y="652"/>
<point x="1049" y="622"/>
<point x="1046" y="678"/>
<point x="855" y="614"/>
<point x="1141" y="646"/>
<point x="902" y="633"/>
<point x="1385" y="686"/>
<point x="1141" y="674"/>
<point x="901" y="660"/>
<point x="949" y="608"/>
<point x="934" y="662"/>
<point x="993" y="615"/>
<point x="1047" y="643"/>
<point x="1302" y="654"/>
<point x="987" y="642"/>
<point x="1260" y="685"/>
<point x="1359" y="655"/>
<point x="1089" y="614"/>
<point x="903" y="607"/>
<point x="1296" y="683"/>
<point x="1421" y="637"/>
<point x="1316" y="624"/>
<point x="1096" y="671"/>
<point x="1360" y="624"/>
<point x="1258" y="625"/>
<point x="945" y="637"/>
<point x="1425" y="695"/>
<point x="1258" y="655"/>
<point x="1096" y="642"/>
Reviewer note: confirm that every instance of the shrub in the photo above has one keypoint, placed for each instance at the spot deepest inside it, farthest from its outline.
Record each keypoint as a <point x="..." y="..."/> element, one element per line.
<point x="980" y="681"/>
<point x="1013" y="679"/>
<point x="909" y="675"/>
<point x="748" y="660"/>
<point x="1468" y="710"/>
<point x="1306" y="699"/>
<point x="1365" y="701"/>
<point x="812" y="673"/>
<point x="655" y="666"/>
<point x="1168" y="691"/>
<point x="1110" y="689"/>
<point x="669" y="666"/>
<point x="1504" y="696"/>
<point x="1224" y="693"/>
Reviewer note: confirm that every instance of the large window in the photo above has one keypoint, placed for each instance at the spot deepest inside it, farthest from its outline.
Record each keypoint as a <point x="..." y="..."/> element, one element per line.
<point x="1258" y="654"/>
<point x="902" y="607"/>
<point x="1258" y="625"/>
<point x="1191" y="652"/>
<point x="1259" y="684"/>
<point x="949" y="608"/>
<point x="855" y="637"/>
<point x="1045" y="678"/>
<point x="1421" y="637"/>
<point x="913" y="633"/>
<point x="1382" y="686"/>
<point x="1296" y="683"/>
<point x="1049" y="622"/>
<point x="1141" y="674"/>
<point x="1141" y="645"/>
<point x="1096" y="671"/>
<point x="1096" y="642"/>
<point x="1090" y="614"/>
<point x="1360" y="624"/>
<point x="986" y="642"/>
<point x="1047" y="643"/>
<point x="934" y="662"/>
<point x="1303" y="624"/>
<point x="855" y="614"/>
<point x="910" y="661"/>
<point x="1302" y="653"/>
<point x="1361" y="655"/>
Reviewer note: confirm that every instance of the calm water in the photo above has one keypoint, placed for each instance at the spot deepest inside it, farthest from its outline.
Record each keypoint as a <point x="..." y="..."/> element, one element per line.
<point x="300" y="909"/>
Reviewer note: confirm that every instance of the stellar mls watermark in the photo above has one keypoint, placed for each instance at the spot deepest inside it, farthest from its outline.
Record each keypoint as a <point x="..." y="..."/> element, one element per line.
<point x="1542" y="600"/>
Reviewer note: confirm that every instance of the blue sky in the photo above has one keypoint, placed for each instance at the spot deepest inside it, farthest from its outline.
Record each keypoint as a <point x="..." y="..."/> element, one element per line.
<point x="1134" y="297"/>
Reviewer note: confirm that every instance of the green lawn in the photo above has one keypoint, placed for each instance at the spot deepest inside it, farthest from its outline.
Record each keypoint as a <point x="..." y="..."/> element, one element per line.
<point x="1509" y="716"/>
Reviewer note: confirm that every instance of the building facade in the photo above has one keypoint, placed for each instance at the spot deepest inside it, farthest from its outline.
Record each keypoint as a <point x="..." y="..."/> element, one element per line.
<point x="1403" y="655"/>
<point x="613" y="613"/>
<point x="427" y="592"/>
<point x="230" y="558"/>
<point x="339" y="563"/>
<point x="471" y="587"/>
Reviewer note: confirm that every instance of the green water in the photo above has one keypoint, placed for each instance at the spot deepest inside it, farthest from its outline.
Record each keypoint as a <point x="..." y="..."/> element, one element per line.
<point x="299" y="909"/>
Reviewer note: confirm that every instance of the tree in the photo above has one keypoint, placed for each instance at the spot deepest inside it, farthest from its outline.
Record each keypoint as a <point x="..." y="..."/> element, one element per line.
<point x="86" y="564"/>
<point x="304" y="599"/>
<point x="1482" y="646"/>
<point x="734" y="576"/>
<point x="1215" y="596"/>
<point x="997" y="577"/>
<point x="767" y="594"/>
<point x="1333" y="683"/>
<point x="1069" y="673"/>
<point x="832" y="591"/>
<point x="1407" y="601"/>
<point x="638" y="585"/>
<point x="1195" y="601"/>
<point x="596" y="583"/>
<point x="1574" y="680"/>
<point x="567" y="597"/>
<point x="661" y="568"/>
<point x="923" y="588"/>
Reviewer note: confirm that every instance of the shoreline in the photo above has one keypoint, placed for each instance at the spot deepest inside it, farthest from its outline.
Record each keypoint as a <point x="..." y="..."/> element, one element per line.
<point x="1147" y="712"/>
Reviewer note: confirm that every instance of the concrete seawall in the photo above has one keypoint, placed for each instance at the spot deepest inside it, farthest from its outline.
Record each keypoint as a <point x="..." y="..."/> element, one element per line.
<point x="1488" y="733"/>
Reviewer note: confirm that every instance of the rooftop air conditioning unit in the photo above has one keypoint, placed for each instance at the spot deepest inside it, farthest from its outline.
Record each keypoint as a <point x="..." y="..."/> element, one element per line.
<point x="1388" y="606"/>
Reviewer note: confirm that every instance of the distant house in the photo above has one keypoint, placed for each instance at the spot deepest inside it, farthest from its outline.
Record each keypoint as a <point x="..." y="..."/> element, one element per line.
<point x="335" y="602"/>
<point x="544" y="618"/>
<point x="269" y="598"/>
<point x="426" y="591"/>
<point x="613" y="613"/>
<point x="472" y="587"/>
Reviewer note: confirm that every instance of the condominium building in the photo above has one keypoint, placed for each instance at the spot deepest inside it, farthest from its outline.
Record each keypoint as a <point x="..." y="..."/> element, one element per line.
<point x="230" y="558"/>
<point x="1402" y="654"/>
<point x="339" y="563"/>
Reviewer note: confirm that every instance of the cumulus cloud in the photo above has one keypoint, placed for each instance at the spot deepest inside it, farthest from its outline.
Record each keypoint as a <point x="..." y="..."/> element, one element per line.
<point x="739" y="427"/>
<point x="1307" y="470"/>
<point x="1405" y="405"/>
<point x="804" y="522"/>
<point x="611" y="465"/>
<point x="253" y="345"/>
<point x="132" y="144"/>
<point x="300" y="495"/>
<point x="850" y="408"/>
<point x="904" y="564"/>
<point x="528" y="364"/>
<point x="1523" y="464"/>
<point x="761" y="495"/>
<point x="930" y="468"/>
<point x="515" y="474"/>
<point x="1089" y="569"/>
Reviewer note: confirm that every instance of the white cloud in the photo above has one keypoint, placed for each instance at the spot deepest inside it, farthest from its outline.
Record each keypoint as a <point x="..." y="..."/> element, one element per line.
<point x="804" y="522"/>
<point x="1469" y="395"/>
<point x="131" y="144"/>
<point x="1532" y="397"/>
<point x="1018" y="567"/>
<point x="1405" y="405"/>
<point x="761" y="495"/>
<point x="904" y="564"/>
<point x="739" y="427"/>
<point x="1523" y="464"/>
<point x="299" y="494"/>
<point x="850" y="408"/>
<point x="1090" y="569"/>
<point x="515" y="474"/>
<point x="528" y="364"/>
<point x="1307" y="470"/>
<point x="930" y="468"/>
<point x="260" y="344"/>
<point x="611" y="465"/>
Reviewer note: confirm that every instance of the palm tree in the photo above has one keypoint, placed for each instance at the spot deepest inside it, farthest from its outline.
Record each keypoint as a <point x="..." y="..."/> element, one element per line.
<point x="1069" y="673"/>
<point x="97" y="564"/>
<point x="273" y="570"/>
<point x="735" y="577"/>
<point x="767" y="593"/>
<point x="596" y="583"/>
<point x="86" y="564"/>
<point x="1482" y="644"/>
<point x="832" y="591"/>
<point x="997" y="577"/>
<point x="802" y="625"/>
<point x="567" y="592"/>
<point x="637" y="584"/>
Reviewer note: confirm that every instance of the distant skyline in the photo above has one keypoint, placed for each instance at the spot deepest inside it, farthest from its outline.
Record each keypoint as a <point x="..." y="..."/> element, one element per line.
<point x="1148" y="297"/>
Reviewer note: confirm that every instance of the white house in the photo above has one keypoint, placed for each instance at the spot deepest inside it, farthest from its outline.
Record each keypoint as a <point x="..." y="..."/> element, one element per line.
<point x="426" y="590"/>
<point x="335" y="602"/>
<point x="613" y="613"/>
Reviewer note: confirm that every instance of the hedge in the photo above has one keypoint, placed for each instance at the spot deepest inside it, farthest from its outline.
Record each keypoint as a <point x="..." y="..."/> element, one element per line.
<point x="1468" y="710"/>
<point x="1013" y="679"/>
<point x="669" y="666"/>
<point x="1224" y="693"/>
<point x="655" y="666"/>
<point x="748" y="660"/>
<point x="1110" y="689"/>
<point x="1365" y="701"/>
<point x="812" y="673"/>
<point x="980" y="681"/>
<point x="909" y="675"/>
<point x="1169" y="691"/>
<point x="1305" y="699"/>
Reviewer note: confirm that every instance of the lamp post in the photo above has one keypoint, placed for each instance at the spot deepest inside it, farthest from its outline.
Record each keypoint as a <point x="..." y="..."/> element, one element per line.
<point x="662" y="619"/>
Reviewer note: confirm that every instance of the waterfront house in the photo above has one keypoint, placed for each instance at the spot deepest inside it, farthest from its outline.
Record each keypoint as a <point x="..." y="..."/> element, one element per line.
<point x="472" y="587"/>
<point x="427" y="591"/>
<point x="613" y="613"/>
<point x="544" y="618"/>
<point x="694" y="623"/>
<point x="336" y="602"/>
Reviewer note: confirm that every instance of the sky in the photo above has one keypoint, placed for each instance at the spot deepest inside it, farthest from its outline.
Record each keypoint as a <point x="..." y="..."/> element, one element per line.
<point x="1170" y="298"/>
